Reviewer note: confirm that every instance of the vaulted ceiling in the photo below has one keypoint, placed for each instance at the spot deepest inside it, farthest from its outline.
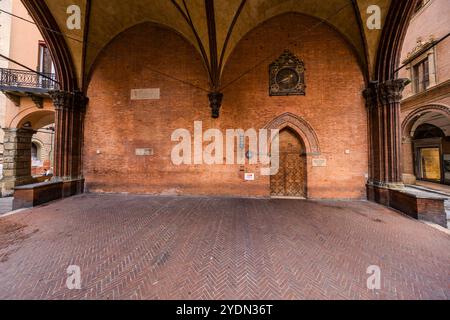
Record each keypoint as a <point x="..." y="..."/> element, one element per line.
<point x="214" y="27"/>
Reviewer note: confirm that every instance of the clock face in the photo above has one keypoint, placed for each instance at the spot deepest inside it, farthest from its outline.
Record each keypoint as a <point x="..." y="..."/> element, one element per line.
<point x="287" y="78"/>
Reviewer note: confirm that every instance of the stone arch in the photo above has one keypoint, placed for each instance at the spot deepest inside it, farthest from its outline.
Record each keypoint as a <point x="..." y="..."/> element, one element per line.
<point x="412" y="118"/>
<point x="301" y="127"/>
<point x="36" y="118"/>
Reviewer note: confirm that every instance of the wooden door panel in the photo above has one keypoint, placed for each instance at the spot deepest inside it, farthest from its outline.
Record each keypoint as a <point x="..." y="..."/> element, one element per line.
<point x="291" y="178"/>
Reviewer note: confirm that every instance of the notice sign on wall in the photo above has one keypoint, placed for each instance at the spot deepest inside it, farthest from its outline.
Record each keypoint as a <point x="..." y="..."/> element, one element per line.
<point x="144" y="152"/>
<point x="145" y="94"/>
<point x="249" y="177"/>
<point x="319" y="162"/>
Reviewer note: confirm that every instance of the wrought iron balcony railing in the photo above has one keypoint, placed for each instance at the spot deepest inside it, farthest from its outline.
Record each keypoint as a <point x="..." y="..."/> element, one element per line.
<point x="22" y="79"/>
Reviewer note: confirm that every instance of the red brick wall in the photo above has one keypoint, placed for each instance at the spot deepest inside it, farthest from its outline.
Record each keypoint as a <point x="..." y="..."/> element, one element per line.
<point x="116" y="126"/>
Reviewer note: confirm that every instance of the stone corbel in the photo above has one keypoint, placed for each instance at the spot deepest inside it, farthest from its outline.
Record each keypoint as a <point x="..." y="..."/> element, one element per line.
<point x="215" y="100"/>
<point x="38" y="101"/>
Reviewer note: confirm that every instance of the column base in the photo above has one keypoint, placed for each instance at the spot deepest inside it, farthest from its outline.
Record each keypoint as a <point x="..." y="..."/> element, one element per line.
<point x="378" y="194"/>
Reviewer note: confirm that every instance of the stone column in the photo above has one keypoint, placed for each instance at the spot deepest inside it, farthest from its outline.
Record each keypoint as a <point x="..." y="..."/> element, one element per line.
<point x="383" y="103"/>
<point x="16" y="159"/>
<point x="70" y="108"/>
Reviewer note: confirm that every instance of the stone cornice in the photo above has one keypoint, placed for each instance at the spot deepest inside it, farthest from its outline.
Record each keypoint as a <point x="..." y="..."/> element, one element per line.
<point x="432" y="94"/>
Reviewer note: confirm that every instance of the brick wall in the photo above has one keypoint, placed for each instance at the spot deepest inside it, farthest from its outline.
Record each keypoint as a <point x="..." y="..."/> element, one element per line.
<point x="116" y="126"/>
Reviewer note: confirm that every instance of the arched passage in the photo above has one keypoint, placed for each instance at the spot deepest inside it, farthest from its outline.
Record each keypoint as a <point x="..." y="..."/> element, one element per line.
<point x="426" y="145"/>
<point x="18" y="162"/>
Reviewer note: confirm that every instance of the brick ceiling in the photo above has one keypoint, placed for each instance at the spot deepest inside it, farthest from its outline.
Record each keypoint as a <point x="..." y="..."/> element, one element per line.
<point x="233" y="19"/>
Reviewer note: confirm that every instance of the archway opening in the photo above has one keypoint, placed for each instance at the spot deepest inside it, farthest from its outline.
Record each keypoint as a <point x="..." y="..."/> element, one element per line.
<point x="427" y="156"/>
<point x="291" y="179"/>
<point x="42" y="150"/>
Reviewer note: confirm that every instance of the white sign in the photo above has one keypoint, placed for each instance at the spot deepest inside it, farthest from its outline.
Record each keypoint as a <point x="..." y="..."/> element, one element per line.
<point x="145" y="94"/>
<point x="319" y="162"/>
<point x="144" y="152"/>
<point x="249" y="177"/>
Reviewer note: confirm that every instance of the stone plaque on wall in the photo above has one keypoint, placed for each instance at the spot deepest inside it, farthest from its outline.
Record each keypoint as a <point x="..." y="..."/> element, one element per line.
<point x="319" y="162"/>
<point x="143" y="152"/>
<point x="145" y="94"/>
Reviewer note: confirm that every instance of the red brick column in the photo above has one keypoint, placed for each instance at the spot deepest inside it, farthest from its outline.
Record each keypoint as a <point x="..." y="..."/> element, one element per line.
<point x="383" y="103"/>
<point x="70" y="109"/>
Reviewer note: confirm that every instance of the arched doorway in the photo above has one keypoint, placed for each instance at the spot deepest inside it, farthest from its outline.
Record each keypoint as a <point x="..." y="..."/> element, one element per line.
<point x="426" y="145"/>
<point x="290" y="181"/>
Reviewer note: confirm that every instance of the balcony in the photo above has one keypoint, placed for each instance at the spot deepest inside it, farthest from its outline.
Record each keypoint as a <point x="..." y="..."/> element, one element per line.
<point x="21" y="83"/>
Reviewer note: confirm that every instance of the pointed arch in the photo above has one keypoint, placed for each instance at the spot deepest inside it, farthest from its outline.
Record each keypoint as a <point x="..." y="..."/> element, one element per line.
<point x="301" y="127"/>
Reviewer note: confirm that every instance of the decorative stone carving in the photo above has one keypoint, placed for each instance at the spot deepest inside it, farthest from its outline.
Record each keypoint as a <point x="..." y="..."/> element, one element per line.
<point x="384" y="93"/>
<point x="38" y="101"/>
<point x="391" y="91"/>
<point x="61" y="99"/>
<point x="69" y="100"/>
<point x="371" y="94"/>
<point x="287" y="76"/>
<point x="215" y="100"/>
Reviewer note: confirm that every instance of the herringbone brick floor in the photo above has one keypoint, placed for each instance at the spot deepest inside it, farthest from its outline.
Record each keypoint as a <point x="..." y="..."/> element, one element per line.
<point x="143" y="247"/>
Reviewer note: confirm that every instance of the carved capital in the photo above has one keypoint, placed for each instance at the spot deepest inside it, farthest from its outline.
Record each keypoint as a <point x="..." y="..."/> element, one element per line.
<point x="80" y="101"/>
<point x="215" y="100"/>
<point x="64" y="100"/>
<point x="371" y="95"/>
<point x="384" y="93"/>
<point x="61" y="99"/>
<point x="391" y="91"/>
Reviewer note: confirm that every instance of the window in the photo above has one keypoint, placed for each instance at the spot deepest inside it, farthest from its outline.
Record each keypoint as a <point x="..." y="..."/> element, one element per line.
<point x="34" y="152"/>
<point x="45" y="64"/>
<point x="421" y="76"/>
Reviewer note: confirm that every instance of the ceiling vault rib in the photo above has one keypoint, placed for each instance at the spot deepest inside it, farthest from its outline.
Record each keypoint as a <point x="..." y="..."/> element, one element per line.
<point x="212" y="36"/>
<point x="230" y="31"/>
<point x="186" y="15"/>
<point x="365" y="63"/>
<point x="87" y="20"/>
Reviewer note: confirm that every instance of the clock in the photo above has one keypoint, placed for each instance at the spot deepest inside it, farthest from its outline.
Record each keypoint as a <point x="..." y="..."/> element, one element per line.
<point x="287" y="76"/>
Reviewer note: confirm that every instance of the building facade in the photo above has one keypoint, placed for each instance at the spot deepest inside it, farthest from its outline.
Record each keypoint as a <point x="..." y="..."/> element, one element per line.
<point x="426" y="102"/>
<point x="27" y="112"/>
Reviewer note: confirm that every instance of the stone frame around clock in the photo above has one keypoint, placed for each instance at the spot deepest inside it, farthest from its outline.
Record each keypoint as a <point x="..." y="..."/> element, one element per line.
<point x="287" y="60"/>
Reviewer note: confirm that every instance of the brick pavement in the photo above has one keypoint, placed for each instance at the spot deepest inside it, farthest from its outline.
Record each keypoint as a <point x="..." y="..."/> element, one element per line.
<point x="144" y="247"/>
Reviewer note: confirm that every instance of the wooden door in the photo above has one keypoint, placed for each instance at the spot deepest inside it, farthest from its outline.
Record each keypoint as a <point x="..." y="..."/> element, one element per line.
<point x="290" y="181"/>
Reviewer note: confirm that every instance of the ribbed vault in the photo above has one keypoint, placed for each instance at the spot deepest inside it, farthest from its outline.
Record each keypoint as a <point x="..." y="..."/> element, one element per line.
<point x="214" y="27"/>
